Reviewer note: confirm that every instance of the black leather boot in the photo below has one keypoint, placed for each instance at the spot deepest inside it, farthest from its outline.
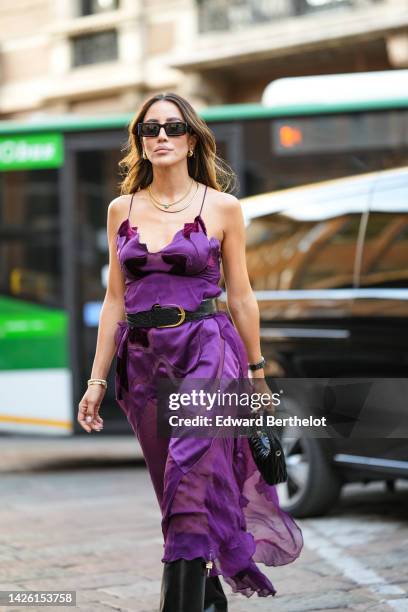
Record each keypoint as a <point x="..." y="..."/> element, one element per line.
<point x="183" y="586"/>
<point x="214" y="599"/>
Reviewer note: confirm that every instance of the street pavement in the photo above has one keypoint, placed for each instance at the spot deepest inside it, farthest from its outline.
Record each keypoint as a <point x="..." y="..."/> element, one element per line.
<point x="80" y="514"/>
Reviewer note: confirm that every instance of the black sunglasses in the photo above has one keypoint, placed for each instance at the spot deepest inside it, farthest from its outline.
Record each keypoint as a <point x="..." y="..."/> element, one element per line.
<point x="172" y="128"/>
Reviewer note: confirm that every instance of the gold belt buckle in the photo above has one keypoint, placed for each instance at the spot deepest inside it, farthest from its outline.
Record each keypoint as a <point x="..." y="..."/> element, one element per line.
<point x="182" y="314"/>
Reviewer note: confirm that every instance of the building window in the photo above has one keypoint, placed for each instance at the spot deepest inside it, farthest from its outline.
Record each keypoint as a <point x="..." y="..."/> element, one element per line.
<point x="222" y="15"/>
<point x="93" y="7"/>
<point x="94" y="48"/>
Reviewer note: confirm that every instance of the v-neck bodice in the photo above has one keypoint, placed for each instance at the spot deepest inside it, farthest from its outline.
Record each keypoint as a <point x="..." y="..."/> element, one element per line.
<point x="185" y="271"/>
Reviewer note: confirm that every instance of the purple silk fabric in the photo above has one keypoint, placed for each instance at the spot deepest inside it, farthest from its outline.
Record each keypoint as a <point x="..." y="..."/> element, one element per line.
<point x="213" y="500"/>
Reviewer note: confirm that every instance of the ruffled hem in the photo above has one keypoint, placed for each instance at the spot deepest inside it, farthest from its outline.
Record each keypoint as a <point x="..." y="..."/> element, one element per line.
<point x="234" y="529"/>
<point x="247" y="581"/>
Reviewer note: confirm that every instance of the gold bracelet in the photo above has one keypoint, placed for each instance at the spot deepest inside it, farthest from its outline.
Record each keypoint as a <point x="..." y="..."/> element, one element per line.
<point x="98" y="381"/>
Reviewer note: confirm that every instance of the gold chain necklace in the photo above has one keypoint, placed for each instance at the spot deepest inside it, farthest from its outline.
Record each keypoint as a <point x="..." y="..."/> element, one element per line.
<point x="170" y="203"/>
<point x="180" y="209"/>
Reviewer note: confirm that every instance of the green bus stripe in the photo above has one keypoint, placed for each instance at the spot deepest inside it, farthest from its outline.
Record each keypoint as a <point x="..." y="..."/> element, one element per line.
<point x="227" y="112"/>
<point x="32" y="336"/>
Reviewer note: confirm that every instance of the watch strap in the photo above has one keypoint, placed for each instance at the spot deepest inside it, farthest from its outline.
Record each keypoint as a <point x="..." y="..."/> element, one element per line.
<point x="257" y="366"/>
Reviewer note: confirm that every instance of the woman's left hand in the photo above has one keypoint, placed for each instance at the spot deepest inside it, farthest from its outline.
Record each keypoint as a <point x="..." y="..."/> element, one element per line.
<point x="261" y="387"/>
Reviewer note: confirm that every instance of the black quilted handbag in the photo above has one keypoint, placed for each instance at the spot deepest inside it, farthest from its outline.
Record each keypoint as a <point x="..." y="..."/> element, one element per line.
<point x="268" y="454"/>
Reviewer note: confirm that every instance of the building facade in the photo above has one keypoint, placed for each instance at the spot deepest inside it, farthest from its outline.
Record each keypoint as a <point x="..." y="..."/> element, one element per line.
<point x="106" y="56"/>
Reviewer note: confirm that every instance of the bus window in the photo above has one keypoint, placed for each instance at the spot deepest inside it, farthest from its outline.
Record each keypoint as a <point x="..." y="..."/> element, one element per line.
<point x="30" y="240"/>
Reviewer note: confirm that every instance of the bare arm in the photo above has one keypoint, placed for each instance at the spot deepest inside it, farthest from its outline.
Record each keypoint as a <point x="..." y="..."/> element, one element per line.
<point x="241" y="300"/>
<point x="113" y="305"/>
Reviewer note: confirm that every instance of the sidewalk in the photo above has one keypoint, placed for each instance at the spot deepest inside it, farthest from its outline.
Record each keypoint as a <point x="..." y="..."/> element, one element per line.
<point x="81" y="514"/>
<point x="22" y="453"/>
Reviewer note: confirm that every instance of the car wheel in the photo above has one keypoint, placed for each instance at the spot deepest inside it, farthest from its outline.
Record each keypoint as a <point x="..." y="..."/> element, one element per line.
<point x="312" y="486"/>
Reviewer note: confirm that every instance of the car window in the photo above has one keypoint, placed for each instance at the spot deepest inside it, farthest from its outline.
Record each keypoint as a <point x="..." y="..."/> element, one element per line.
<point x="305" y="251"/>
<point x="330" y="261"/>
<point x="385" y="253"/>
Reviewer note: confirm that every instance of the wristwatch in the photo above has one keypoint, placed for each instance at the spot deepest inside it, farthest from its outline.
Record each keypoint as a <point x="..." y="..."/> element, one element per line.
<point x="257" y="366"/>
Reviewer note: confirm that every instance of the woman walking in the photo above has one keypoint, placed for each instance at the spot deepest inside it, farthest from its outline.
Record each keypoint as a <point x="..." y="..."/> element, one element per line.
<point x="168" y="233"/>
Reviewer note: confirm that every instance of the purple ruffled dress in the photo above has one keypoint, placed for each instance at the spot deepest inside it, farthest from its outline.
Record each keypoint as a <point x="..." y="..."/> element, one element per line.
<point x="214" y="502"/>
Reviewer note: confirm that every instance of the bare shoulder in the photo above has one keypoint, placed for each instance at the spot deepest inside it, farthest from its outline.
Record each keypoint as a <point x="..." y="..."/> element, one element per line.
<point x="230" y="204"/>
<point x="226" y="206"/>
<point x="118" y="206"/>
<point x="224" y="209"/>
<point x="224" y="202"/>
<point x="118" y="210"/>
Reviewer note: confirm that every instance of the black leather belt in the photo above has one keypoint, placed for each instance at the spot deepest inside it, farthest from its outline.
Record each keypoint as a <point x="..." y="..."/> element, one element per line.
<point x="170" y="315"/>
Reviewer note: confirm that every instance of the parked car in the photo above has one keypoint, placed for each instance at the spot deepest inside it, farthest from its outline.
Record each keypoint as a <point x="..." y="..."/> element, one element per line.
<point x="328" y="263"/>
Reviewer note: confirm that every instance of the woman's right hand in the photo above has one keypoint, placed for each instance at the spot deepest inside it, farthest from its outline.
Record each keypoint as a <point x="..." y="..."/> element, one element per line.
<point x="88" y="408"/>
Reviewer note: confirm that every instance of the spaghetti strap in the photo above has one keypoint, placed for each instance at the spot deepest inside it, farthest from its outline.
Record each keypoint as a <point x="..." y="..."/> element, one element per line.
<point x="130" y="207"/>
<point x="205" y="191"/>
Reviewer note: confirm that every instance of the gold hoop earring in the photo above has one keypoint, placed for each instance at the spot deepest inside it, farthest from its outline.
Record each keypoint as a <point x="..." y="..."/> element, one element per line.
<point x="190" y="153"/>
<point x="144" y="154"/>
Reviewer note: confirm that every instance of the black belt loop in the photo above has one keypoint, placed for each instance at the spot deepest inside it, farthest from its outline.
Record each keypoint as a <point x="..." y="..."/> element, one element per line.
<point x="170" y="315"/>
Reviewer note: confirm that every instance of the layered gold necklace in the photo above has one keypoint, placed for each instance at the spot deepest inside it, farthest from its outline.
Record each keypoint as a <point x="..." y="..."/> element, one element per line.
<point x="164" y="207"/>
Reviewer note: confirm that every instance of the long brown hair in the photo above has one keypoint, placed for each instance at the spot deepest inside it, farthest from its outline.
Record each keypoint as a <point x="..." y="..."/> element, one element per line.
<point x="205" y="166"/>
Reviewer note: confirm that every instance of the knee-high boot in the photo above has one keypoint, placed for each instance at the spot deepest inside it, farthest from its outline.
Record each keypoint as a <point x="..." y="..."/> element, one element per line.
<point x="214" y="599"/>
<point x="183" y="586"/>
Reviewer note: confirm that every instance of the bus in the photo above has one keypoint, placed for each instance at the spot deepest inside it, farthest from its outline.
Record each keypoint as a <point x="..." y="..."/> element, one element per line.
<point x="58" y="174"/>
